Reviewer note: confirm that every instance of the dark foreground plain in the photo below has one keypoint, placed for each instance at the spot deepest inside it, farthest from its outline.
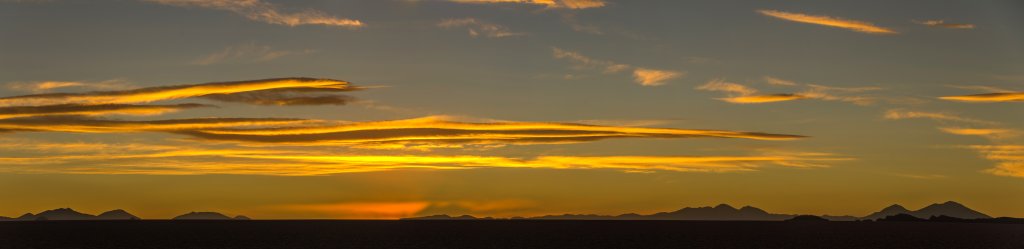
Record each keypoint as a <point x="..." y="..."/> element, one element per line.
<point x="506" y="234"/>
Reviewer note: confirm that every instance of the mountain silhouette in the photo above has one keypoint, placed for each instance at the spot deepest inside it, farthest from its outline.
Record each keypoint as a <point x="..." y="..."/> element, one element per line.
<point x="117" y="214"/>
<point x="71" y="214"/>
<point x="720" y="212"/>
<point x="241" y="217"/>
<point x="57" y="214"/>
<point x="901" y="218"/>
<point x="202" y="216"/>
<point x="949" y="209"/>
<point x="807" y="218"/>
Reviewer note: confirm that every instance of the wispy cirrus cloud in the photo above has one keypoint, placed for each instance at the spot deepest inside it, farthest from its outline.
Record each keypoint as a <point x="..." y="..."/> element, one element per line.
<point x="78" y="124"/>
<point x="741" y="94"/>
<point x="990" y="133"/>
<point x="654" y="77"/>
<point x="443" y="132"/>
<point x="92" y="110"/>
<point x="261" y="11"/>
<point x="247" y="52"/>
<point x="896" y="114"/>
<point x="1009" y="158"/>
<point x="858" y="26"/>
<point x="944" y="24"/>
<point x="152" y="94"/>
<point x="47" y="86"/>
<point x="642" y="76"/>
<point x="190" y="160"/>
<point x="477" y="27"/>
<point x="551" y="4"/>
<point x="988" y="97"/>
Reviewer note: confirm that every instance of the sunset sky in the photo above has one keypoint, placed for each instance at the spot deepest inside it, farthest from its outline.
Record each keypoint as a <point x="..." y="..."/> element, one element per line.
<point x="384" y="109"/>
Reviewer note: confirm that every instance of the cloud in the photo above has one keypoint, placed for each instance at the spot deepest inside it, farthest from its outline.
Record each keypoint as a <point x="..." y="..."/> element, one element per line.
<point x="858" y="26"/>
<point x="943" y="24"/>
<point x="990" y="133"/>
<point x="778" y="82"/>
<point x="583" y="61"/>
<point x="896" y="114"/>
<point x="46" y="86"/>
<point x="88" y="125"/>
<point x="551" y="4"/>
<point x="195" y="161"/>
<point x="442" y="132"/>
<point x="653" y="77"/>
<point x="476" y="27"/>
<point x="642" y="76"/>
<point x="282" y="97"/>
<point x="261" y="11"/>
<point x="988" y="97"/>
<point x="91" y="110"/>
<point x="248" y="52"/>
<point x="152" y="94"/>
<point x="1009" y="158"/>
<point x="741" y="94"/>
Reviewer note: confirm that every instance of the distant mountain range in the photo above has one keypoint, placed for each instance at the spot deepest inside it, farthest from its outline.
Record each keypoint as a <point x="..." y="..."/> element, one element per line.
<point x="70" y="214"/>
<point x="947" y="211"/>
<point x="725" y="212"/>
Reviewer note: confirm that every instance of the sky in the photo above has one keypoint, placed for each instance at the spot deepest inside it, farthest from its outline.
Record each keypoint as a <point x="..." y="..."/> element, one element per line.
<point x="382" y="109"/>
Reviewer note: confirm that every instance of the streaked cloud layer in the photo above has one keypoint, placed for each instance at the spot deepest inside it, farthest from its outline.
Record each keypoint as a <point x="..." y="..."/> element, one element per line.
<point x="261" y="11"/>
<point x="552" y="4"/>
<point x="858" y="26"/>
<point x="988" y="97"/>
<point x="741" y="94"/>
<point x="152" y="94"/>
<point x="944" y="24"/>
<point x="92" y="110"/>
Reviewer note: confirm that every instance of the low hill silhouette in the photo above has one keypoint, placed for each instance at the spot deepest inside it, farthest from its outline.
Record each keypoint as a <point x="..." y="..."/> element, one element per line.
<point x="807" y="218"/>
<point x="949" y="209"/>
<point x="202" y="216"/>
<point x="900" y="218"/>
<point x="71" y="214"/>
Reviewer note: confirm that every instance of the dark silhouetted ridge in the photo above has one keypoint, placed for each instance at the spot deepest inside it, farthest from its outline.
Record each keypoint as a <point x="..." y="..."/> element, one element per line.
<point x="949" y="209"/>
<point x="807" y="218"/>
<point x="117" y="214"/>
<point x="202" y="216"/>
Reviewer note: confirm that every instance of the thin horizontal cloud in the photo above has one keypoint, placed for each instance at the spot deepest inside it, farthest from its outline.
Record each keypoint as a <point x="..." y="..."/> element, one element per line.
<point x="261" y="11"/>
<point x="442" y="132"/>
<point x="477" y="27"/>
<point x="247" y="52"/>
<point x="988" y="97"/>
<point x="92" y="110"/>
<point x="778" y="82"/>
<point x="858" y="26"/>
<point x="583" y="61"/>
<point x="897" y="114"/>
<point x="991" y="133"/>
<point x="642" y="76"/>
<point x="360" y="210"/>
<point x="88" y="125"/>
<point x="47" y="86"/>
<point x="152" y="94"/>
<point x="551" y="4"/>
<point x="741" y="94"/>
<point x="944" y="24"/>
<point x="196" y="161"/>
<point x="1009" y="158"/>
